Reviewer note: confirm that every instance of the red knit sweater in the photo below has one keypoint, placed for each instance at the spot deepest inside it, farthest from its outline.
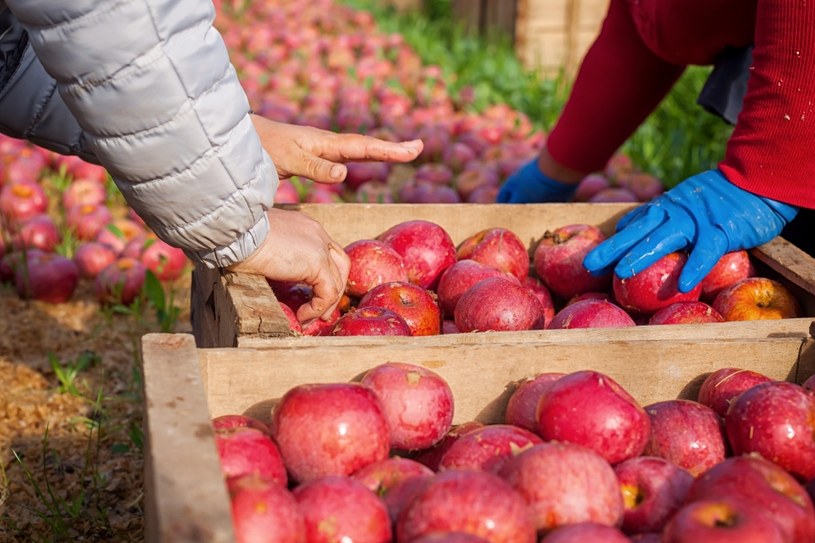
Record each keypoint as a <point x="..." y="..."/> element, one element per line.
<point x="643" y="48"/>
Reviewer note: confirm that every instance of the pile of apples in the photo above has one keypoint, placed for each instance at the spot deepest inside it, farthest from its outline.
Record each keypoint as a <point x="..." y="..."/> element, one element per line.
<point x="412" y="280"/>
<point x="576" y="460"/>
<point x="327" y="65"/>
<point x="51" y="237"/>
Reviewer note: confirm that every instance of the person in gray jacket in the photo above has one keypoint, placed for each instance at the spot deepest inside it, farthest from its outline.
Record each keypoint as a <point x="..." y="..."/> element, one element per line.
<point x="146" y="89"/>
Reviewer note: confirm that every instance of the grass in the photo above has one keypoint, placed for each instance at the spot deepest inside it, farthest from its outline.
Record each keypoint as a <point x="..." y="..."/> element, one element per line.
<point x="677" y="140"/>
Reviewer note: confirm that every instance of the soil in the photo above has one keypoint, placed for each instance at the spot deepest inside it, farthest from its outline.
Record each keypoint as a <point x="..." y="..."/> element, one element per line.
<point x="71" y="459"/>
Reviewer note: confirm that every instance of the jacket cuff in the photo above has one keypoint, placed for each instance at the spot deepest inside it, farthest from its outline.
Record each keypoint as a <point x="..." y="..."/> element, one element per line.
<point x="237" y="251"/>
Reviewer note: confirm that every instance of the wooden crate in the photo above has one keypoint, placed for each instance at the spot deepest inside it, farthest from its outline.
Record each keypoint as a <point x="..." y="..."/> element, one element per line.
<point x="184" y="386"/>
<point x="234" y="310"/>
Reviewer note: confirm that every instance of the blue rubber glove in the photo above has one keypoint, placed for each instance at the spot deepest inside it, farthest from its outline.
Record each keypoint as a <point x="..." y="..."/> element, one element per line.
<point x="529" y="185"/>
<point x="705" y="214"/>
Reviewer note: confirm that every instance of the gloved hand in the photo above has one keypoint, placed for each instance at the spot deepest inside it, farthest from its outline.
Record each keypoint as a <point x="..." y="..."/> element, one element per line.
<point x="705" y="214"/>
<point x="529" y="185"/>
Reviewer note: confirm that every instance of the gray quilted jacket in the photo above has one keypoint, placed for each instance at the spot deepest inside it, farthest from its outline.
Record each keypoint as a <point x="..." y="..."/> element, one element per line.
<point x="145" y="88"/>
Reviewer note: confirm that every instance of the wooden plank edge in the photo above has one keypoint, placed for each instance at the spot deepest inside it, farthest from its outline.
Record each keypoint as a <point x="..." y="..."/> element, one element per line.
<point x="186" y="499"/>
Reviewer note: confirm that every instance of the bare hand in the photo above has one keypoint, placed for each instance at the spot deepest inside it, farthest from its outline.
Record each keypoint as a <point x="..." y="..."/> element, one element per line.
<point x="297" y="248"/>
<point x="319" y="154"/>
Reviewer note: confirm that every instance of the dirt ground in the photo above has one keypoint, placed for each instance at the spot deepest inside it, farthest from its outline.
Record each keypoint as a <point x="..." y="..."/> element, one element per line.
<point x="71" y="454"/>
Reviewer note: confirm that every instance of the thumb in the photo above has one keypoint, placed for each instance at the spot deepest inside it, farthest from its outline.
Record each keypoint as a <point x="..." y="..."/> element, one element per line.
<point x="325" y="171"/>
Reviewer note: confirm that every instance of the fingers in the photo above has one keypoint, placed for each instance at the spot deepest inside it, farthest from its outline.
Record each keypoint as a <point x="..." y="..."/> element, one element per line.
<point x="706" y="253"/>
<point x="662" y="241"/>
<point x="324" y="171"/>
<point x="327" y="286"/>
<point x="604" y="257"/>
<point x="346" y="147"/>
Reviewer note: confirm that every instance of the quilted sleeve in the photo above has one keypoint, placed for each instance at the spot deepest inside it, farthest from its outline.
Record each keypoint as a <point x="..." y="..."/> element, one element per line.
<point x="151" y="85"/>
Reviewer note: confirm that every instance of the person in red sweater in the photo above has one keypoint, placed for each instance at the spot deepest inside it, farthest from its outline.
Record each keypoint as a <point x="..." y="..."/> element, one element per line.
<point x="768" y="172"/>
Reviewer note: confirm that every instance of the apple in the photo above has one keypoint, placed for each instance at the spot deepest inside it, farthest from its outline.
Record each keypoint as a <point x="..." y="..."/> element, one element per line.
<point x="613" y="194"/>
<point x="321" y="326"/>
<point x="765" y="484"/>
<point x="565" y="483"/>
<point x="396" y="480"/>
<point x="522" y="406"/>
<point x="457" y="279"/>
<point x="434" y="173"/>
<point x="457" y="155"/>
<point x="775" y="420"/>
<point x="591" y="409"/>
<point x="644" y="186"/>
<point x="474" y="179"/>
<point x="585" y="532"/>
<point x="724" y="385"/>
<point x="373" y="192"/>
<point x="558" y="260"/>
<point x="424" y="192"/>
<point x="653" y="490"/>
<point x="431" y="456"/>
<point x="417" y="403"/>
<point x="286" y="193"/>
<point x="691" y="312"/>
<point x="415" y="304"/>
<point x="687" y="433"/>
<point x="84" y="192"/>
<point x="487" y="448"/>
<point x="338" y="508"/>
<point x="292" y="293"/>
<point x="370" y="321"/>
<point x="498" y="304"/>
<point x="544" y="297"/>
<point x="165" y="261"/>
<point x="590" y="313"/>
<point x="329" y="429"/>
<point x="483" y="195"/>
<point x="590" y="185"/>
<point x="363" y="172"/>
<point x="426" y="248"/>
<point x="731" y="268"/>
<point x="22" y="200"/>
<point x="88" y="220"/>
<point x="15" y="259"/>
<point x="497" y="248"/>
<point x="589" y="296"/>
<point x="618" y="166"/>
<point x="725" y="519"/>
<point x="655" y="287"/>
<point x="449" y="537"/>
<point x="47" y="277"/>
<point x="448" y="326"/>
<point x="372" y="263"/>
<point x="228" y="422"/>
<point x="475" y="502"/>
<point x="244" y="449"/>
<point x="38" y="232"/>
<point x="756" y="298"/>
<point x="263" y="510"/>
<point x="81" y="169"/>
<point x="120" y="282"/>
<point x="119" y="232"/>
<point x="291" y="318"/>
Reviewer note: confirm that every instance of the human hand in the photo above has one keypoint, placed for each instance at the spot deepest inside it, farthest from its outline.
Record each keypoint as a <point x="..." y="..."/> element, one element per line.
<point x="297" y="248"/>
<point x="705" y="214"/>
<point x="529" y="184"/>
<point x="319" y="154"/>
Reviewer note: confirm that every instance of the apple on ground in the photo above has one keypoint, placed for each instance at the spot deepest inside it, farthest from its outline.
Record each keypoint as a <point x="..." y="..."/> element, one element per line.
<point x="22" y="200"/>
<point x="372" y="264"/>
<point x="585" y="532"/>
<point x="415" y="304"/>
<point x="731" y="268"/>
<point x="590" y="313"/>
<point x="38" y="232"/>
<point x="47" y="277"/>
<point x="243" y="449"/>
<point x="522" y="406"/>
<point x="613" y="195"/>
<point x="591" y="409"/>
<point x="565" y="483"/>
<point x="339" y="508"/>
<point x="498" y="304"/>
<point x="329" y="429"/>
<point x="757" y="298"/>
<point x="263" y="510"/>
<point x="644" y="186"/>
<point x="417" y="403"/>
<point x="497" y="248"/>
<point x="653" y="490"/>
<point x="487" y="448"/>
<point x="655" y="287"/>
<point x="721" y="387"/>
<point x="691" y="312"/>
<point x="119" y="233"/>
<point x="476" y="502"/>
<point x="775" y="420"/>
<point x="725" y="519"/>
<point x="165" y="261"/>
<point x="120" y="282"/>
<point x="590" y="185"/>
<point x="87" y="221"/>
<point x="84" y="192"/>
<point x="426" y="249"/>
<point x="558" y="260"/>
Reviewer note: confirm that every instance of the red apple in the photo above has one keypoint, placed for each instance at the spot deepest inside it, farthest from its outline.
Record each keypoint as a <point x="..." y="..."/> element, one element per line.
<point x="263" y="510"/>
<point x="474" y="502"/>
<point x="47" y="277"/>
<point x="38" y="232"/>
<point x="613" y="194"/>
<point x="590" y="313"/>
<point x="292" y="293"/>
<point x="687" y="433"/>
<point x="338" y="508"/>
<point x="457" y="279"/>
<point x="457" y="155"/>
<point x="777" y="421"/>
<point x="756" y="298"/>
<point x="417" y="402"/>
<point x="653" y="490"/>
<point x="329" y="429"/>
<point x="320" y="326"/>
<point x="396" y="480"/>
<point x="655" y="287"/>
<point x="416" y="305"/>
<point x="92" y="257"/>
<point x="565" y="483"/>
<point x="22" y="200"/>
<point x="370" y="321"/>
<point x="591" y="409"/>
<point x="165" y="261"/>
<point x="474" y="179"/>
<point x="245" y="450"/>
<point x="362" y="172"/>
<point x="691" y="312"/>
<point x="497" y="248"/>
<point x="423" y="192"/>
<point x="88" y="220"/>
<point x="522" y="406"/>
<point x="731" y="268"/>
<point x="373" y="192"/>
<point x="487" y="448"/>
<point x="498" y="304"/>
<point x="84" y="192"/>
<point x="291" y="318"/>
<point x="449" y="537"/>
<point x="434" y="173"/>
<point x="426" y="248"/>
<point x="725" y="519"/>
<point x="431" y="456"/>
<point x="644" y="186"/>
<point x="590" y="185"/>
<point x="722" y="386"/>
<point x="544" y="297"/>
<point x="120" y="282"/>
<point x="558" y="260"/>
<point x="228" y="422"/>
<point x="372" y="263"/>
<point x="585" y="532"/>
<point x="119" y="233"/>
<point x="286" y="193"/>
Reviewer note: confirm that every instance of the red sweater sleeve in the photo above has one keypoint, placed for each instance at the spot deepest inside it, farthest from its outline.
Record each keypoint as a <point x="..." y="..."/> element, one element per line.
<point x="620" y="82"/>
<point x="771" y="150"/>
